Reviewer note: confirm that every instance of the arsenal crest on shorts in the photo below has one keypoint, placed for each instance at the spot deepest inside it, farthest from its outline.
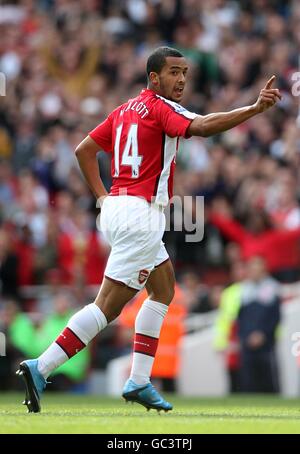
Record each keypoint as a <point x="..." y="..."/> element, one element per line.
<point x="143" y="275"/>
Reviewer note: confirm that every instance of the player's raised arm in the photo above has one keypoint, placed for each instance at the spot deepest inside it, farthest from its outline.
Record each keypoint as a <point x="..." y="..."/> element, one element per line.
<point x="86" y="153"/>
<point x="222" y="121"/>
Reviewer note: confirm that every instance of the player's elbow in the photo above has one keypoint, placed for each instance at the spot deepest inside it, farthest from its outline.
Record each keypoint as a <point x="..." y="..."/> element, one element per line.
<point x="87" y="148"/>
<point x="79" y="150"/>
<point x="82" y="151"/>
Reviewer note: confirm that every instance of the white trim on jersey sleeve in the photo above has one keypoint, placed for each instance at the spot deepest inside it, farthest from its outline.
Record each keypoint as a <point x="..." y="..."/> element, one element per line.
<point x="179" y="109"/>
<point x="162" y="193"/>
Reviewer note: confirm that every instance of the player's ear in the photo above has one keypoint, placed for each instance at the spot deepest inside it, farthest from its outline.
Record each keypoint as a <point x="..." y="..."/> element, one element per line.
<point x="154" y="79"/>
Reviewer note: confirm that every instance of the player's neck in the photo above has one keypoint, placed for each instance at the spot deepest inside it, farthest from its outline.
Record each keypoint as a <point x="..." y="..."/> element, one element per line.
<point x="153" y="88"/>
<point x="158" y="91"/>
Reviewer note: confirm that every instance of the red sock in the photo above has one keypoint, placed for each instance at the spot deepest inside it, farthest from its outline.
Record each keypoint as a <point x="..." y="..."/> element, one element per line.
<point x="146" y="345"/>
<point x="69" y="342"/>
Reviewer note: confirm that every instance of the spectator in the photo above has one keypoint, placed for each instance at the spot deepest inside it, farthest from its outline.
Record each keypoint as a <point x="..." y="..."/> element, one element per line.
<point x="226" y="339"/>
<point x="195" y="293"/>
<point x="280" y="248"/>
<point x="8" y="266"/>
<point x="258" y="320"/>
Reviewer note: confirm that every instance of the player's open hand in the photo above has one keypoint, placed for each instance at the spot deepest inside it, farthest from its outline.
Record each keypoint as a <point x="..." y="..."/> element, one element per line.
<point x="268" y="96"/>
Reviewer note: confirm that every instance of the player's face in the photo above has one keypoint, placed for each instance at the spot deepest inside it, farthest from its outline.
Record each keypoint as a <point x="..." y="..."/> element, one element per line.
<point x="171" y="80"/>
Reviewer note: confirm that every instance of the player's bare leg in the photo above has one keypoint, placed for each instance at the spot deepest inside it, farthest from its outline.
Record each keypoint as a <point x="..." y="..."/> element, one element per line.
<point x="160" y="288"/>
<point x="112" y="297"/>
<point x="81" y="329"/>
<point x="161" y="282"/>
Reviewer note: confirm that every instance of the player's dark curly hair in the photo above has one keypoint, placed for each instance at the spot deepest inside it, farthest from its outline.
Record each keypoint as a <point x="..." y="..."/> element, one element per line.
<point x="157" y="59"/>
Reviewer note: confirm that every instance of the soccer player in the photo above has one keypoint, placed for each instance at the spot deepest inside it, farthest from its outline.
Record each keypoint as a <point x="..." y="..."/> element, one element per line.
<point x="142" y="136"/>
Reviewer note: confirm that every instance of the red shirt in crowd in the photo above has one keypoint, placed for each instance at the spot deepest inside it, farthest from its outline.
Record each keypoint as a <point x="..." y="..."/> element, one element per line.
<point x="280" y="248"/>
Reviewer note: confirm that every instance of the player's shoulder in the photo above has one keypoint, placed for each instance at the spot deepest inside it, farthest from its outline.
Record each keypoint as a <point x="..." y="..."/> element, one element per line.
<point x="151" y="99"/>
<point x="170" y="104"/>
<point x="141" y="104"/>
<point x="173" y="106"/>
<point x="116" y="112"/>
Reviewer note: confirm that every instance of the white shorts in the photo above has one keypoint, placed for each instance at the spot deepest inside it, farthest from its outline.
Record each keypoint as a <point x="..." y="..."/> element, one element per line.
<point x="134" y="229"/>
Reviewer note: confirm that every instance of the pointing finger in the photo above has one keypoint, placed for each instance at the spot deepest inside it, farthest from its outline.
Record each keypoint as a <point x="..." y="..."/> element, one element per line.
<point x="270" y="81"/>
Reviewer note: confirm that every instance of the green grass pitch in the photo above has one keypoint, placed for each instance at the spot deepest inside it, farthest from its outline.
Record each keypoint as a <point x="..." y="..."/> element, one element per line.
<point x="67" y="413"/>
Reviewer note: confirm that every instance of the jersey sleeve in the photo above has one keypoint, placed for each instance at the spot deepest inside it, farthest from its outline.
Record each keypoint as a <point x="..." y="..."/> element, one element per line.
<point x="174" y="118"/>
<point x="102" y="134"/>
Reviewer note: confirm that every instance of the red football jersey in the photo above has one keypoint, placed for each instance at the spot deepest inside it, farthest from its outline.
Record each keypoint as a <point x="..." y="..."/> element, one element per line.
<point x="142" y="136"/>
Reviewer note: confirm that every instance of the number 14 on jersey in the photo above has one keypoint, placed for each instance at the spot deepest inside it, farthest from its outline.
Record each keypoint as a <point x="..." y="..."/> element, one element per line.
<point x="129" y="156"/>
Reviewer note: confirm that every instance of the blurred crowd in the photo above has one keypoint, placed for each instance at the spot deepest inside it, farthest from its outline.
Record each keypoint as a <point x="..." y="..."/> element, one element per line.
<point x="69" y="63"/>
